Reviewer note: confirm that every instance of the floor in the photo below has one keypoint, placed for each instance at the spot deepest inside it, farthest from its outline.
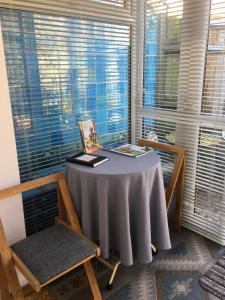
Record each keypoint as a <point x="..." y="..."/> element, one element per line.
<point x="173" y="275"/>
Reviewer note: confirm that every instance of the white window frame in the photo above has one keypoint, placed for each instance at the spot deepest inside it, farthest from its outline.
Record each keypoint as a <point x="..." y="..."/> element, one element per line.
<point x="188" y="114"/>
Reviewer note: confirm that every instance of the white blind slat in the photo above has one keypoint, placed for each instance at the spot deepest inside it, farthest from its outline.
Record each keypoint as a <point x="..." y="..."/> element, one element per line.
<point x="62" y="70"/>
<point x="115" y="11"/>
<point x="184" y="100"/>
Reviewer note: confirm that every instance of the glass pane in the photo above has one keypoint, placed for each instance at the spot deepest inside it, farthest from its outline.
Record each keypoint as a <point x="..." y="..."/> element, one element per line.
<point x="162" y="54"/>
<point x="162" y="132"/>
<point x="210" y="173"/>
<point x="62" y="70"/>
<point x="213" y="99"/>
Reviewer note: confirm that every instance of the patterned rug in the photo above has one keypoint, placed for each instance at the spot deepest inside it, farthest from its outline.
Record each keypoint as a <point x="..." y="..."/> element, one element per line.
<point x="173" y="275"/>
<point x="214" y="279"/>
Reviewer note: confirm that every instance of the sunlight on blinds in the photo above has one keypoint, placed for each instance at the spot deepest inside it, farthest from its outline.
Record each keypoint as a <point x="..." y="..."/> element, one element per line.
<point x="214" y="85"/>
<point x="184" y="101"/>
<point x="169" y="7"/>
<point x="62" y="70"/>
<point x="164" y="22"/>
<point x="112" y="2"/>
<point x="115" y="10"/>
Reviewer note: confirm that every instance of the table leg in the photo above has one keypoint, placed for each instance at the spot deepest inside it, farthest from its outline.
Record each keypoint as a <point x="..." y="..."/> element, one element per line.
<point x="154" y="249"/>
<point x="114" y="269"/>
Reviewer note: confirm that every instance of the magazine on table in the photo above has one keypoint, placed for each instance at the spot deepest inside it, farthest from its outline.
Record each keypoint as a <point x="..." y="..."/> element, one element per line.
<point x="89" y="136"/>
<point x="131" y="150"/>
<point x="90" y="160"/>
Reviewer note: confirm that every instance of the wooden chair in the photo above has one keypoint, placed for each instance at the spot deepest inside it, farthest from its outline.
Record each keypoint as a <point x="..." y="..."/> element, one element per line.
<point x="176" y="181"/>
<point x="49" y="254"/>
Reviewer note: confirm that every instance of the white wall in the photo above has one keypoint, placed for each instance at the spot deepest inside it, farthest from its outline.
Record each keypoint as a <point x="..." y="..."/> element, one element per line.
<point x="11" y="209"/>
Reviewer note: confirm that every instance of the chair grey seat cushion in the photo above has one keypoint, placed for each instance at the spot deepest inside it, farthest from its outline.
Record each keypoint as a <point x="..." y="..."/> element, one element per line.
<point x="51" y="251"/>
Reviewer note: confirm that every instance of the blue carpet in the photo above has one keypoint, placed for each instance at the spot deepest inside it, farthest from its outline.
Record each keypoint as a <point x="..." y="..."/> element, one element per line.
<point x="173" y="274"/>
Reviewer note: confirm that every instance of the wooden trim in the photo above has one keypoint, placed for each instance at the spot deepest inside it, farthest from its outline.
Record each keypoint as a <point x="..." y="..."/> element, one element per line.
<point x="177" y="179"/>
<point x="23" y="187"/>
<point x="33" y="281"/>
<point x="63" y="190"/>
<point x="179" y="197"/>
<point x="8" y="265"/>
<point x="164" y="147"/>
<point x="9" y="257"/>
<point x="92" y="281"/>
<point x="27" y="290"/>
<point x="75" y="226"/>
<point x="174" y="178"/>
<point x="68" y="203"/>
<point x="4" y="287"/>
<point x="62" y="210"/>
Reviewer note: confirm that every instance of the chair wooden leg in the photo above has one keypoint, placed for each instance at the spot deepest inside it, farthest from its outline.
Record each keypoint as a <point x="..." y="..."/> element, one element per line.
<point x="62" y="210"/>
<point x="9" y="268"/>
<point x="4" y="287"/>
<point x="180" y="188"/>
<point x="92" y="280"/>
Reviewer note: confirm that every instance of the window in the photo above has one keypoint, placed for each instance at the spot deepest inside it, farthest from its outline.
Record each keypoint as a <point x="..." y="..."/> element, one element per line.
<point x="184" y="100"/>
<point x="214" y="91"/>
<point x="66" y="64"/>
<point x="62" y="70"/>
<point x="163" y="24"/>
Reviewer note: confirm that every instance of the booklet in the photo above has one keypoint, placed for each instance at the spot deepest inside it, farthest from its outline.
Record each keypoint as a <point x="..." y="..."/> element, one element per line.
<point x="87" y="159"/>
<point x="131" y="150"/>
<point x="89" y="136"/>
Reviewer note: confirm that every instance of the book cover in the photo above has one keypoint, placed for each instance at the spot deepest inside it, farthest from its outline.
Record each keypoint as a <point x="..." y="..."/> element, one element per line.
<point x="90" y="160"/>
<point x="131" y="150"/>
<point x="89" y="136"/>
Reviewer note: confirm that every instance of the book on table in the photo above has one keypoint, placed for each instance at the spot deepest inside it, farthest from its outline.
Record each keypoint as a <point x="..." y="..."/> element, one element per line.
<point x="87" y="159"/>
<point x="131" y="150"/>
<point x="91" y="142"/>
<point x="89" y="136"/>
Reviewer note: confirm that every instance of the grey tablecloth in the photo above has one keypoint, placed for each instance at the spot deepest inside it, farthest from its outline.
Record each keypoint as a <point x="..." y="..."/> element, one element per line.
<point x="122" y="204"/>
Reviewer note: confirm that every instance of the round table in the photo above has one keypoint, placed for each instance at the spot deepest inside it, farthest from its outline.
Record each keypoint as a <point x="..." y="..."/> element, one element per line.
<point x="121" y="203"/>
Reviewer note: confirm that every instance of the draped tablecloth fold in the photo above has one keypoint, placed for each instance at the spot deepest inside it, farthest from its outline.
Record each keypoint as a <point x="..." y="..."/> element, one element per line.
<point x="122" y="204"/>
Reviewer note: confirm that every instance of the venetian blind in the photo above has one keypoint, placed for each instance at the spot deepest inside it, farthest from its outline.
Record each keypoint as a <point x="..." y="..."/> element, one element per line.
<point x="184" y="101"/>
<point x="116" y="10"/>
<point x="121" y="3"/>
<point x="62" y="70"/>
